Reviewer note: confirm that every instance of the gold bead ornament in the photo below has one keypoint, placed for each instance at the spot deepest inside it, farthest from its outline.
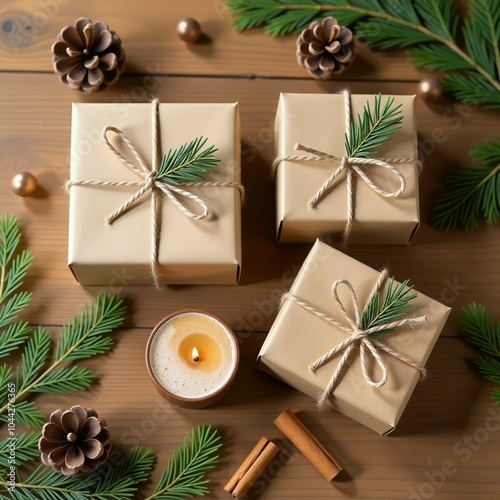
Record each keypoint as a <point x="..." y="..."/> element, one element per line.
<point x="189" y="30"/>
<point x="429" y="89"/>
<point x="24" y="184"/>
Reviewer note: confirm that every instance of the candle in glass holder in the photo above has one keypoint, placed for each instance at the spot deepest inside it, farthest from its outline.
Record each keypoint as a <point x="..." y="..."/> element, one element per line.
<point x="192" y="358"/>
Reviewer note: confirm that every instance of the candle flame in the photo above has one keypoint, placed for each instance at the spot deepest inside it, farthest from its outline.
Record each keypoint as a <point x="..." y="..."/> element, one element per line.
<point x="196" y="355"/>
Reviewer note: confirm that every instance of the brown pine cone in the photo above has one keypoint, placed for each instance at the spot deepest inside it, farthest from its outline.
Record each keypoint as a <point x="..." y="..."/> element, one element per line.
<point x="75" y="441"/>
<point x="88" y="56"/>
<point x="325" y="48"/>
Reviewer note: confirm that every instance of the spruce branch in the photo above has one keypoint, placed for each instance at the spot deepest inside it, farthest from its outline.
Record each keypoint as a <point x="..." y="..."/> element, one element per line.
<point x="25" y="446"/>
<point x="189" y="163"/>
<point x="473" y="191"/>
<point x="27" y="415"/>
<point x="386" y="24"/>
<point x="373" y="127"/>
<point x="184" y="475"/>
<point x="392" y="307"/>
<point x="484" y="332"/>
<point x="85" y="335"/>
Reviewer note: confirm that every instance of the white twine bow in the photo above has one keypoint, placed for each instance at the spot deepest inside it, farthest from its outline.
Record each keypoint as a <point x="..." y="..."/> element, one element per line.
<point x="369" y="346"/>
<point x="150" y="181"/>
<point x="351" y="165"/>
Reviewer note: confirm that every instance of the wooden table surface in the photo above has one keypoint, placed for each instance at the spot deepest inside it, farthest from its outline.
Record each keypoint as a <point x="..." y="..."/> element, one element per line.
<point x="447" y="444"/>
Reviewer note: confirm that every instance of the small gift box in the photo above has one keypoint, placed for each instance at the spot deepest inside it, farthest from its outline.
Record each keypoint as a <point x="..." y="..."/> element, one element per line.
<point x="328" y="344"/>
<point x="128" y="226"/>
<point x="324" y="188"/>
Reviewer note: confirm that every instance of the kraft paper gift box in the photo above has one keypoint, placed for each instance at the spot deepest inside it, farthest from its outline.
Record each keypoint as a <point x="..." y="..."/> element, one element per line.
<point x="190" y="251"/>
<point x="298" y="338"/>
<point x="318" y="121"/>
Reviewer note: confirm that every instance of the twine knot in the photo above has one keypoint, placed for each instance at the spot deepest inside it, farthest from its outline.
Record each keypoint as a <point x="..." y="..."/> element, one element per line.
<point x="369" y="346"/>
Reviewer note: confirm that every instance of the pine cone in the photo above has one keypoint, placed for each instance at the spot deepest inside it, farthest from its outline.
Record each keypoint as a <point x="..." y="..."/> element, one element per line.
<point x="75" y="441"/>
<point x="325" y="48"/>
<point x="88" y="56"/>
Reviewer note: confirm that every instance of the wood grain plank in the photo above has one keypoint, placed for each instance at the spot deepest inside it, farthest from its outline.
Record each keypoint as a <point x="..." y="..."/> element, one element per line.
<point x="28" y="28"/>
<point x="446" y="422"/>
<point x="455" y="268"/>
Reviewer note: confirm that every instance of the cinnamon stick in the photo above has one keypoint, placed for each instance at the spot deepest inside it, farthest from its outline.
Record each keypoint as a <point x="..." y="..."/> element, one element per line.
<point x="251" y="468"/>
<point x="308" y="444"/>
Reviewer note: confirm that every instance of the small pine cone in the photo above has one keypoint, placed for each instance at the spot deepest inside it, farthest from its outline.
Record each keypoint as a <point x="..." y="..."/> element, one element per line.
<point x="75" y="441"/>
<point x="325" y="48"/>
<point x="88" y="56"/>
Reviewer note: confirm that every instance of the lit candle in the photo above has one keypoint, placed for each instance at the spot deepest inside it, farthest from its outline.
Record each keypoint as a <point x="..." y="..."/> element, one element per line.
<point x="192" y="358"/>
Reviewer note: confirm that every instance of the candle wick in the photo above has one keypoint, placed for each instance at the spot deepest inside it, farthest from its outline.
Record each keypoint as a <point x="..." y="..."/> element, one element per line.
<point x="196" y="355"/>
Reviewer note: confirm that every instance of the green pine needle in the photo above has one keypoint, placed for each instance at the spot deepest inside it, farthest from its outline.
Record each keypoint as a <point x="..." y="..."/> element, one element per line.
<point x="122" y="479"/>
<point x="392" y="307"/>
<point x="34" y="357"/>
<point x="484" y="332"/>
<point x="187" y="163"/>
<point x="85" y="335"/>
<point x="473" y="191"/>
<point x="24" y="450"/>
<point x="13" y="337"/>
<point x="27" y="415"/>
<point x="65" y="381"/>
<point x="184" y="475"/>
<point x="373" y="128"/>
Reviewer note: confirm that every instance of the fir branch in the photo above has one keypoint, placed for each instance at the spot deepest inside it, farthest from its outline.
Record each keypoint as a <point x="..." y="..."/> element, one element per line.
<point x="25" y="448"/>
<point x="121" y="481"/>
<point x="5" y="378"/>
<point x="373" y="128"/>
<point x="10" y="236"/>
<point x="484" y="332"/>
<point x="184" y="475"/>
<point x="13" y="337"/>
<point x="64" y="381"/>
<point x="472" y="191"/>
<point x="27" y="415"/>
<point x="34" y="357"/>
<point x="392" y="307"/>
<point x="385" y="24"/>
<point x="187" y="163"/>
<point x="83" y="336"/>
<point x="47" y="484"/>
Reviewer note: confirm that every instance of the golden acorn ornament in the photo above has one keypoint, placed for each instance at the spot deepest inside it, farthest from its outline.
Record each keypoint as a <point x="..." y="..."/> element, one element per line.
<point x="88" y="56"/>
<point x="325" y="49"/>
<point x="75" y="442"/>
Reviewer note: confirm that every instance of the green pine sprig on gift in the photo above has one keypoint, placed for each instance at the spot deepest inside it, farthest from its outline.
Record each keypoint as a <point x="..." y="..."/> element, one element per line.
<point x="373" y="127"/>
<point x="472" y="191"/>
<point x="384" y="309"/>
<point x="429" y="29"/>
<point x="183" y="477"/>
<point x="189" y="163"/>
<point x="484" y="332"/>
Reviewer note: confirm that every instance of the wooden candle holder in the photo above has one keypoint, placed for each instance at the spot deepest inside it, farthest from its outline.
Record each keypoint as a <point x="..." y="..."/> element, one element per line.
<point x="251" y="468"/>
<point x="290" y="425"/>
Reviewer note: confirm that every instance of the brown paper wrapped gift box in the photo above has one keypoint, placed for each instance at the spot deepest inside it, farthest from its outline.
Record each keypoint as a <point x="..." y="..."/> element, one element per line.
<point x="298" y="338"/>
<point x="317" y="121"/>
<point x="204" y="251"/>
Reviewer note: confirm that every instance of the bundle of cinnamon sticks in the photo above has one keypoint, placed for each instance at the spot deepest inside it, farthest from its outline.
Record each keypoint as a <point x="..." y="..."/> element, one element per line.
<point x="265" y="450"/>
